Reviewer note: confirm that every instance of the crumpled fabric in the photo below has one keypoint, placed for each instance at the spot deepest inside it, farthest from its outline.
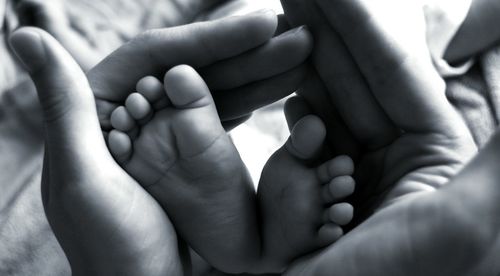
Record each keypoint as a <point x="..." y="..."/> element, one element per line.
<point x="31" y="248"/>
<point x="443" y="19"/>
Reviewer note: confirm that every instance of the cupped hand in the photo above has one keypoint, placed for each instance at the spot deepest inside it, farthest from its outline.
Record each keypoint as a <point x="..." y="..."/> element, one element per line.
<point x="410" y="156"/>
<point x="244" y="66"/>
<point x="105" y="222"/>
<point x="391" y="99"/>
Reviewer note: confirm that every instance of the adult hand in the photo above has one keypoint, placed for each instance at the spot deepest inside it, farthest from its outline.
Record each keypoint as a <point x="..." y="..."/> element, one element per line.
<point x="243" y="65"/>
<point x="423" y="228"/>
<point x="390" y="97"/>
<point x="105" y="222"/>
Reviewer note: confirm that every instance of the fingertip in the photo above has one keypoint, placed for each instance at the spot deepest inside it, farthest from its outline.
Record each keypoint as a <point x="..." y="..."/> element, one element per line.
<point x="283" y="25"/>
<point x="302" y="41"/>
<point x="28" y="46"/>
<point x="263" y="22"/>
<point x="295" y="109"/>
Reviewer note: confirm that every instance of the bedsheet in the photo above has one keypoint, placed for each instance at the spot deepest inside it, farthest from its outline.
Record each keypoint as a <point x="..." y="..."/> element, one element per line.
<point x="30" y="248"/>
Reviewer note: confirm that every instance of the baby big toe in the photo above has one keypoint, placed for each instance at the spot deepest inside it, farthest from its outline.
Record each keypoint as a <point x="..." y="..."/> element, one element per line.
<point x="307" y="137"/>
<point x="186" y="89"/>
<point x="120" y="145"/>
<point x="139" y="108"/>
<point x="196" y="125"/>
<point x="341" y="213"/>
<point x="154" y="91"/>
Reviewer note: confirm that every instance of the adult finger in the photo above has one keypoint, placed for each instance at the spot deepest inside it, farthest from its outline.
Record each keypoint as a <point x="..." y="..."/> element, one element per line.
<point x="396" y="62"/>
<point x="233" y="103"/>
<point x="343" y="79"/>
<point x="295" y="109"/>
<point x="65" y="96"/>
<point x="198" y="45"/>
<point x="84" y="214"/>
<point x="478" y="24"/>
<point x="275" y="57"/>
<point x="339" y="137"/>
<point x="231" y="124"/>
<point x="283" y="25"/>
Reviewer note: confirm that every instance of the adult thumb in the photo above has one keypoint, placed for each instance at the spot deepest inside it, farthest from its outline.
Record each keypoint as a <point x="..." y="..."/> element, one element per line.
<point x="65" y="95"/>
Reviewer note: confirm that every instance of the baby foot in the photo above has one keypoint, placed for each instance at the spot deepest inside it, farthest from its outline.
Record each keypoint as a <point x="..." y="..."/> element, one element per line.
<point x="174" y="144"/>
<point x="302" y="203"/>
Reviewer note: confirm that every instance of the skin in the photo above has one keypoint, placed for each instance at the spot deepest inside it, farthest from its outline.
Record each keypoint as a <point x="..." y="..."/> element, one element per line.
<point x="485" y="208"/>
<point x="67" y="150"/>
<point x="52" y="17"/>
<point x="168" y="143"/>
<point x="89" y="209"/>
<point x="235" y="97"/>
<point x="479" y="26"/>
<point x="443" y="136"/>
<point x="422" y="228"/>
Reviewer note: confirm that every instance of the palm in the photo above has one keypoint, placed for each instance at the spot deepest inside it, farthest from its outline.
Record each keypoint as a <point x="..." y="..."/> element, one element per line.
<point x="412" y="142"/>
<point x="102" y="209"/>
<point x="388" y="94"/>
<point x="411" y="235"/>
<point x="102" y="218"/>
<point x="414" y="162"/>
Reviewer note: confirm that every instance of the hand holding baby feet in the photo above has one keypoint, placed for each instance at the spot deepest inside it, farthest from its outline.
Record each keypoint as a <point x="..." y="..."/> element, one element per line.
<point x="302" y="202"/>
<point x="174" y="144"/>
<point x="104" y="220"/>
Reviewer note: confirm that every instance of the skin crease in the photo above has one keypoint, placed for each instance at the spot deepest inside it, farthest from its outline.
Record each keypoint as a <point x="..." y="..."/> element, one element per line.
<point x="97" y="214"/>
<point x="52" y="16"/>
<point x="448" y="214"/>
<point x="170" y="170"/>
<point x="66" y="152"/>
<point x="147" y="54"/>
<point x="419" y="230"/>
<point x="442" y="137"/>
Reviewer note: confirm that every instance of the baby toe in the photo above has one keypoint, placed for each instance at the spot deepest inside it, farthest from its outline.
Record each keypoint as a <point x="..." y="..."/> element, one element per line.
<point x="154" y="91"/>
<point x="341" y="213"/>
<point x="329" y="233"/>
<point x="338" y="188"/>
<point x="338" y="166"/>
<point x="186" y="89"/>
<point x="122" y="120"/>
<point x="138" y="107"/>
<point x="120" y="145"/>
<point x="307" y="137"/>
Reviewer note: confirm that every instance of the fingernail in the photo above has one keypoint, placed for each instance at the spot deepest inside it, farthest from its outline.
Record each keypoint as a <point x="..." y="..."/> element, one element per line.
<point x="297" y="30"/>
<point x="264" y="11"/>
<point x="301" y="29"/>
<point x="28" y="47"/>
